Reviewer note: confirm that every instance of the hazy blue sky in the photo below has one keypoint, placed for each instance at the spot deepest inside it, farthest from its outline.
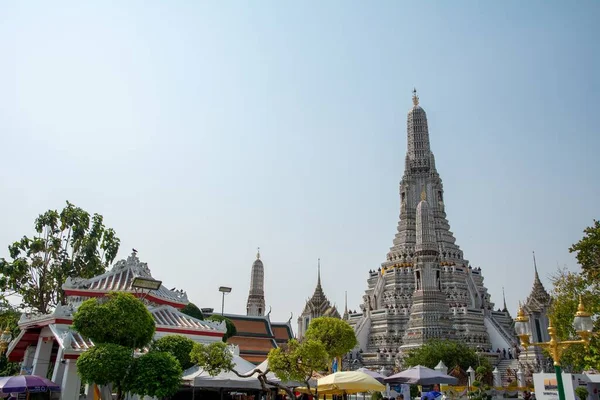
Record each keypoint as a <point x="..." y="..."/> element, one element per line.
<point x="201" y="130"/>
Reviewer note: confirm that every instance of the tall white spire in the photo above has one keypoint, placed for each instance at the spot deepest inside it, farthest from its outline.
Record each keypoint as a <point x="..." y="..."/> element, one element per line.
<point x="256" y="297"/>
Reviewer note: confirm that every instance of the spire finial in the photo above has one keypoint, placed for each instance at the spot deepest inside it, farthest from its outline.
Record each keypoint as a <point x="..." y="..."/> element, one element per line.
<point x="415" y="98"/>
<point x="423" y="194"/>
<point x="258" y="253"/>
<point x="504" y="298"/>
<point x="535" y="266"/>
<point x="319" y="272"/>
<point x="346" y="302"/>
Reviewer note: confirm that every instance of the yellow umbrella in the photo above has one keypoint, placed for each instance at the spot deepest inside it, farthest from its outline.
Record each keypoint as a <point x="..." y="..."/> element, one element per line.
<point x="348" y="382"/>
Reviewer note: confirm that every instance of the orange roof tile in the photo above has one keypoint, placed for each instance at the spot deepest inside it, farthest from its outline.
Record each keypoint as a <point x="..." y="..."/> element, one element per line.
<point x="253" y="327"/>
<point x="246" y="344"/>
<point x="281" y="333"/>
<point x="254" y="358"/>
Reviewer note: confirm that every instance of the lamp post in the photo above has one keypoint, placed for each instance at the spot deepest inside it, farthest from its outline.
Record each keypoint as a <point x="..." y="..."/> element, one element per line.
<point x="583" y="325"/>
<point x="5" y="340"/>
<point x="142" y="283"/>
<point x="224" y="290"/>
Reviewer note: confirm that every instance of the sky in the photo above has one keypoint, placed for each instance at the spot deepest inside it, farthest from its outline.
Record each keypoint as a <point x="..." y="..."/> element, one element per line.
<point x="203" y="130"/>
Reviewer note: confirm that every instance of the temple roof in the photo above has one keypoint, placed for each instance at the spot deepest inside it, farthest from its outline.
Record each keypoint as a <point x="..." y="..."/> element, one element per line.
<point x="257" y="335"/>
<point x="120" y="278"/>
<point x="538" y="299"/>
<point x="318" y="304"/>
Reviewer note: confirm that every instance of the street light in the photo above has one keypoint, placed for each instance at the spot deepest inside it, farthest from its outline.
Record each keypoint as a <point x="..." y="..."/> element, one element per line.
<point x="583" y="325"/>
<point x="5" y="340"/>
<point x="224" y="290"/>
<point x="139" y="282"/>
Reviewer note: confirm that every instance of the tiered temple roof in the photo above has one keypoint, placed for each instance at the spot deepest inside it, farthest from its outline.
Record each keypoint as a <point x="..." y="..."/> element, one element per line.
<point x="256" y="335"/>
<point x="163" y="304"/>
<point x="538" y="300"/>
<point x="317" y="306"/>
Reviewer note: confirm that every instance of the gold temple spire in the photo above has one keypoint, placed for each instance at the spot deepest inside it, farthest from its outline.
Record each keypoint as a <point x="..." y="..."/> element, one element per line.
<point x="415" y="98"/>
<point x="423" y="194"/>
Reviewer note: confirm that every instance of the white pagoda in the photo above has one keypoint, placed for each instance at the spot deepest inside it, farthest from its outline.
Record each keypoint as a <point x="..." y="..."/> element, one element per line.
<point x="425" y="289"/>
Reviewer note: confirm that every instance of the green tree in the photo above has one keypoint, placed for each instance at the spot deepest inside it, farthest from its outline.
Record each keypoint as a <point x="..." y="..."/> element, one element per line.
<point x="104" y="364"/>
<point x="178" y="346"/>
<point x="155" y="374"/>
<point x="193" y="311"/>
<point x="66" y="244"/>
<point x="451" y="353"/>
<point x="231" y="329"/>
<point x="214" y="358"/>
<point x="568" y="287"/>
<point x="120" y="318"/>
<point x="299" y="361"/>
<point x="117" y="324"/>
<point x="9" y="318"/>
<point x="581" y="393"/>
<point x="335" y="334"/>
<point x="588" y="252"/>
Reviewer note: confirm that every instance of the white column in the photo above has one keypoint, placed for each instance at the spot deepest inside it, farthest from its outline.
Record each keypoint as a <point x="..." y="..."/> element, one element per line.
<point x="27" y="363"/>
<point x="59" y="367"/>
<point x="71" y="381"/>
<point x="497" y="377"/>
<point x="43" y="351"/>
<point x="520" y="378"/>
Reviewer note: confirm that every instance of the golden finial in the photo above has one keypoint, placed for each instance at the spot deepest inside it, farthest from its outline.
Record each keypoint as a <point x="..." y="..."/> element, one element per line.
<point x="581" y="312"/>
<point x="521" y="317"/>
<point x="415" y="97"/>
<point x="423" y="194"/>
<point x="258" y="253"/>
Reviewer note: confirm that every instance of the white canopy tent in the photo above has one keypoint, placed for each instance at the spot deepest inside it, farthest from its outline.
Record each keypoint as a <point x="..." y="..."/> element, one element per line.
<point x="198" y="377"/>
<point x="273" y="378"/>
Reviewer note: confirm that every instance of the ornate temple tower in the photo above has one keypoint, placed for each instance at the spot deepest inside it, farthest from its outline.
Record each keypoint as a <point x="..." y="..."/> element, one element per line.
<point x="256" y="297"/>
<point x="425" y="288"/>
<point x="536" y="307"/>
<point x="429" y="313"/>
<point x="317" y="306"/>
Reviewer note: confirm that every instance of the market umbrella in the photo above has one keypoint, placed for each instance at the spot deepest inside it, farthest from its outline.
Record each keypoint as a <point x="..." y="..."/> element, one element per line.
<point x="27" y="383"/>
<point x="373" y="374"/>
<point x="420" y="375"/>
<point x="348" y="382"/>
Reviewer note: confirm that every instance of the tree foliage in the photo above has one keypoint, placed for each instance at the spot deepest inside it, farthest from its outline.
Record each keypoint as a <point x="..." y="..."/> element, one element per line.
<point x="65" y="244"/>
<point x="118" y="324"/>
<point x="193" y="311"/>
<point x="214" y="358"/>
<point x="298" y="361"/>
<point x="155" y="374"/>
<point x="231" y="329"/>
<point x="335" y="334"/>
<point x="119" y="318"/>
<point x="178" y="346"/>
<point x="104" y="364"/>
<point x="588" y="252"/>
<point x="9" y="319"/>
<point x="451" y="353"/>
<point x="568" y="286"/>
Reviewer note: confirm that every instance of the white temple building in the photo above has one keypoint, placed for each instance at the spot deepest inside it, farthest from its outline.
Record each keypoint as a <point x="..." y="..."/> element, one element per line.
<point x="425" y="288"/>
<point x="317" y="306"/>
<point x="47" y="340"/>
